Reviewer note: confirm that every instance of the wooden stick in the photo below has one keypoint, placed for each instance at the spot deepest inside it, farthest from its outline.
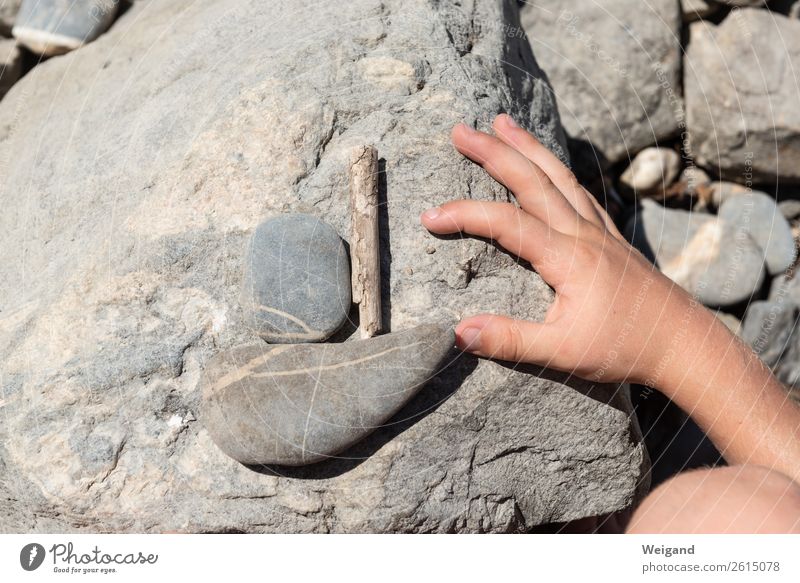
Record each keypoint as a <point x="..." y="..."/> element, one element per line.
<point x="364" y="243"/>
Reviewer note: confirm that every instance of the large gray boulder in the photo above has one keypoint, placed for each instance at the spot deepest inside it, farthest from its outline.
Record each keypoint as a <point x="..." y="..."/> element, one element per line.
<point x="615" y="67"/>
<point x="143" y="162"/>
<point x="741" y="94"/>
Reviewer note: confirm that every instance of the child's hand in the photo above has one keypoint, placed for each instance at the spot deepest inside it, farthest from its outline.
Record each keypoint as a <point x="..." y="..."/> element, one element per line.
<point x="608" y="320"/>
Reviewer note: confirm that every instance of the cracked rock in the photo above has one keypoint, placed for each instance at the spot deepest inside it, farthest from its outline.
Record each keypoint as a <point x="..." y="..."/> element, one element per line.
<point x="124" y="245"/>
<point x="740" y="97"/>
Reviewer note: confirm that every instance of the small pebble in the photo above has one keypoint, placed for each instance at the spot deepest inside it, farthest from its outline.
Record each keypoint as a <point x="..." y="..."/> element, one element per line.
<point x="297" y="280"/>
<point x="651" y="173"/>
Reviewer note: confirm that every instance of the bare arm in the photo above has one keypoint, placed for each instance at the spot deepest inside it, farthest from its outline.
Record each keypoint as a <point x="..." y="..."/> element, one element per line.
<point x="615" y="317"/>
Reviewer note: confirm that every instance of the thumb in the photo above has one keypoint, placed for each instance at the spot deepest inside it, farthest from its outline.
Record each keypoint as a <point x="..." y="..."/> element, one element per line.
<point x="504" y="338"/>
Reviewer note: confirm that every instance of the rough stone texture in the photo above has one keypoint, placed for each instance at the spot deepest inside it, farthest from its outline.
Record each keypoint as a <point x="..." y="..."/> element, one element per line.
<point x="715" y="260"/>
<point x="126" y="217"/>
<point x="59" y="26"/>
<point x="8" y="13"/>
<point x="615" y="68"/>
<point x="651" y="172"/>
<point x="300" y="404"/>
<point x="296" y="280"/>
<point x="757" y="215"/>
<point x="740" y="91"/>
<point x="772" y="328"/>
<point x="10" y="65"/>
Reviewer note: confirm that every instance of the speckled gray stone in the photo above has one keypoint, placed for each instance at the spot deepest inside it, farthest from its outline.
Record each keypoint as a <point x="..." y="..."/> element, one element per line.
<point x="297" y="280"/>
<point x="296" y="405"/>
<point x="53" y="27"/>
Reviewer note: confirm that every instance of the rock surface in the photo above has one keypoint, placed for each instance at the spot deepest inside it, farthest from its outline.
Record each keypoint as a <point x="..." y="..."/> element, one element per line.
<point x="300" y="404"/>
<point x="740" y="91"/>
<point x="712" y="259"/>
<point x="296" y="280"/>
<point x="54" y="28"/>
<point x="757" y="215"/>
<point x="8" y="13"/>
<point x="615" y="67"/>
<point x="695" y="9"/>
<point x="790" y="209"/>
<point x="10" y="65"/>
<point x="697" y="183"/>
<point x="125" y="261"/>
<point x="722" y="191"/>
<point x="772" y="328"/>
<point x="651" y="172"/>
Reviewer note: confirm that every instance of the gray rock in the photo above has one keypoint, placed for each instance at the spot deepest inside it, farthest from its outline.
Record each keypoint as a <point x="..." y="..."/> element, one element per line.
<point x="696" y="9"/>
<point x="651" y="172"/>
<point x="60" y="26"/>
<point x="615" y="67"/>
<point x="10" y="65"/>
<point x="696" y="184"/>
<point x="8" y="13"/>
<point x="772" y="328"/>
<point x="722" y="191"/>
<point x="790" y="209"/>
<point x="300" y="404"/>
<point x="296" y="280"/>
<point x="712" y="259"/>
<point x="740" y="97"/>
<point x="741" y="3"/>
<point x="695" y="178"/>
<point x="756" y="214"/>
<point x="123" y="251"/>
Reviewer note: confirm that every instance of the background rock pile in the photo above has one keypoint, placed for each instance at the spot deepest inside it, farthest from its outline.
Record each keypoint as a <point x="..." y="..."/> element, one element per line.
<point x="683" y="118"/>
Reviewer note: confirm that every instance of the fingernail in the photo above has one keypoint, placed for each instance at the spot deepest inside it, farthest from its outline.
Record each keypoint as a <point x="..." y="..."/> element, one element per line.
<point x="469" y="339"/>
<point x="469" y="128"/>
<point x="510" y="121"/>
<point x="431" y="213"/>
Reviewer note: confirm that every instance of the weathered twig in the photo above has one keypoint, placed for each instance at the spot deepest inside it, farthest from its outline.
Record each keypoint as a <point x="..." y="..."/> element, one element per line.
<point x="364" y="242"/>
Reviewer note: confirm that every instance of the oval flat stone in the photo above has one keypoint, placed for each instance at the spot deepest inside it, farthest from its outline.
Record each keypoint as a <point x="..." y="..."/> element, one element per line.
<point x="298" y="404"/>
<point x="297" y="280"/>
